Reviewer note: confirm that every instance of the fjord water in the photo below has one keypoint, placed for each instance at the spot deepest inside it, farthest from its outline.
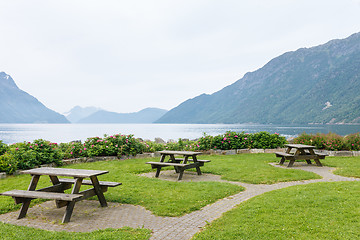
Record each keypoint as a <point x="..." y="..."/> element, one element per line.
<point x="12" y="133"/>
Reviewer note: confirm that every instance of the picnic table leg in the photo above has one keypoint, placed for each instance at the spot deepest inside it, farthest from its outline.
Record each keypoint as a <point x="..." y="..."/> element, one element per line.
<point x="26" y="203"/>
<point x="172" y="159"/>
<point x="70" y="205"/>
<point x="282" y="160"/>
<point x="181" y="174"/>
<point x="55" y="181"/>
<point x="302" y="152"/>
<point x="318" y="163"/>
<point x="158" y="169"/>
<point x="197" y="167"/>
<point x="162" y="158"/>
<point x="98" y="191"/>
<point x="291" y="163"/>
<point x="288" y="149"/>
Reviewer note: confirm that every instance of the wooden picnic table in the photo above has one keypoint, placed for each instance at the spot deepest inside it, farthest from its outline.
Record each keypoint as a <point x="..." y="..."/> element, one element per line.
<point x="56" y="191"/>
<point x="187" y="161"/>
<point x="302" y="152"/>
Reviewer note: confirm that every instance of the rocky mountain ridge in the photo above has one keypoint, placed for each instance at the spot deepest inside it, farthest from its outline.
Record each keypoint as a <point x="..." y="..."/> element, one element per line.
<point x="310" y="85"/>
<point x="17" y="106"/>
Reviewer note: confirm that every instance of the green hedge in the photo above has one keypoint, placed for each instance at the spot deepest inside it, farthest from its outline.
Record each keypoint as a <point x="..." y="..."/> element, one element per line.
<point x="31" y="154"/>
<point x="28" y="155"/>
<point x="330" y="141"/>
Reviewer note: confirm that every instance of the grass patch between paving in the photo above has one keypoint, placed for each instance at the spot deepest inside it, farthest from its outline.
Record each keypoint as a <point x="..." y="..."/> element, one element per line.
<point x="346" y="166"/>
<point x="254" y="168"/>
<point x="8" y="231"/>
<point x="313" y="211"/>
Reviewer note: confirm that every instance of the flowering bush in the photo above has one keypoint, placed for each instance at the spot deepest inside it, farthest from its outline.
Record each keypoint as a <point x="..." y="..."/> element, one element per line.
<point x="72" y="150"/>
<point x="205" y="142"/>
<point x="116" y="145"/>
<point x="3" y="147"/>
<point x="29" y="155"/>
<point x="7" y="163"/>
<point x="234" y="140"/>
<point x="150" y="146"/>
<point x="352" y="141"/>
<point x="330" y="141"/>
<point x="266" y="140"/>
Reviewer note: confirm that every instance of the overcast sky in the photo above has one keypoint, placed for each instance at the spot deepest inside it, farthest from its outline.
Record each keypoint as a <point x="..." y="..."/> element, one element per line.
<point x="124" y="56"/>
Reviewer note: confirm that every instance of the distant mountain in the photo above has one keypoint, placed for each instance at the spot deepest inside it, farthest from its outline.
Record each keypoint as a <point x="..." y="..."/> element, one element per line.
<point x="17" y="106"/>
<point x="147" y="115"/>
<point x="311" y="85"/>
<point x="77" y="113"/>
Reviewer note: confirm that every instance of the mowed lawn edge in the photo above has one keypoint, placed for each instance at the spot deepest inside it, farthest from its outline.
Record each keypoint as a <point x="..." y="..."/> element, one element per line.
<point x="254" y="168"/>
<point x="345" y="166"/>
<point x="13" y="232"/>
<point x="327" y="210"/>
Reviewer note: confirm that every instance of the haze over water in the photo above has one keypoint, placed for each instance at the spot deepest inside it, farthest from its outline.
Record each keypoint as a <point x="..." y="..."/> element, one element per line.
<point x="12" y="133"/>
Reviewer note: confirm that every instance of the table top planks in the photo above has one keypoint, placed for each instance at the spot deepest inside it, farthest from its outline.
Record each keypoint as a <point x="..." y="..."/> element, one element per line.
<point x="299" y="146"/>
<point x="66" y="172"/>
<point x="185" y="153"/>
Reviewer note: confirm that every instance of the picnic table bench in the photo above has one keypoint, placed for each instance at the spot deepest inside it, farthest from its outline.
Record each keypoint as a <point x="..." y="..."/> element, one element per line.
<point x="302" y="152"/>
<point x="56" y="191"/>
<point x="189" y="160"/>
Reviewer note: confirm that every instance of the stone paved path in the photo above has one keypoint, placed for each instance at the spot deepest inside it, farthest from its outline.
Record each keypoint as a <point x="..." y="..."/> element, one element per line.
<point x="88" y="216"/>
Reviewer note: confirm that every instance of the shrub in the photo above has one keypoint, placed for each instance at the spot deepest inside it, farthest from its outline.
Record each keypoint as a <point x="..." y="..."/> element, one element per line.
<point x="150" y="146"/>
<point x="266" y="140"/>
<point x="334" y="142"/>
<point x="205" y="142"/>
<point x="72" y="150"/>
<point x="352" y="142"/>
<point x="127" y="144"/>
<point x="116" y="145"/>
<point x="330" y="141"/>
<point x="223" y="141"/>
<point x="29" y="155"/>
<point x="7" y="163"/>
<point x="234" y="140"/>
<point x="3" y="147"/>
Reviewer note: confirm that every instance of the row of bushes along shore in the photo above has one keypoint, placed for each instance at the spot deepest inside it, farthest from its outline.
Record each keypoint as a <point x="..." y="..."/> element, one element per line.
<point x="28" y="155"/>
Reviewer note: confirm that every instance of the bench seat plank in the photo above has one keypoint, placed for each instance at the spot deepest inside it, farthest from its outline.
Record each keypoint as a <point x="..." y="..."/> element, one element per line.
<point x="88" y="182"/>
<point x="199" y="160"/>
<point x="167" y="164"/>
<point x="322" y="154"/>
<point x="283" y="154"/>
<point x="43" y="195"/>
<point x="191" y="160"/>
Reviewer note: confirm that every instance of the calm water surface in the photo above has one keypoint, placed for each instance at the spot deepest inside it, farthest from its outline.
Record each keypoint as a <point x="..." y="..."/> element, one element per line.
<point x="12" y="133"/>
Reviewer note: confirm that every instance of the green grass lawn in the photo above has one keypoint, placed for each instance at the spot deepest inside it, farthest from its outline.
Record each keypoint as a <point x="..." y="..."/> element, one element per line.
<point x="165" y="198"/>
<point x="346" y="166"/>
<point x="12" y="232"/>
<point x="313" y="211"/>
<point x="253" y="168"/>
